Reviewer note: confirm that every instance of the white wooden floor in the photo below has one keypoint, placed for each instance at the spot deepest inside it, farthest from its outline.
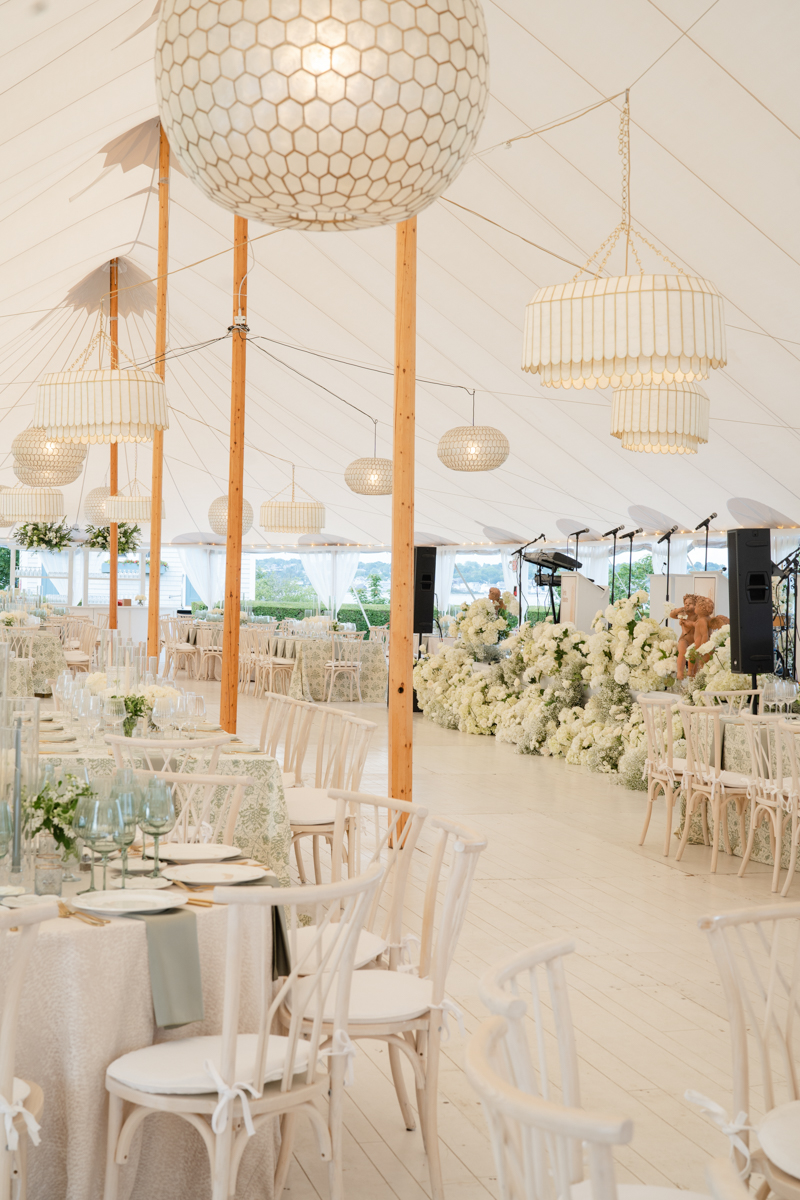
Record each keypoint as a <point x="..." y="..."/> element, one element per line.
<point x="562" y="859"/>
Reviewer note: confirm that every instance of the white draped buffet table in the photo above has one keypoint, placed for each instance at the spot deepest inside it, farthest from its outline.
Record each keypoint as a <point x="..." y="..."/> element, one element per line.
<point x="86" y="1001"/>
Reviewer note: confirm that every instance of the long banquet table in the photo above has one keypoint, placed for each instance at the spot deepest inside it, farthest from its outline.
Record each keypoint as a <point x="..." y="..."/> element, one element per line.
<point x="86" y="1001"/>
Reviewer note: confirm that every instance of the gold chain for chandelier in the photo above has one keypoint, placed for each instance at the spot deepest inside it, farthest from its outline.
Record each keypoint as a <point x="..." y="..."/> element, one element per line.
<point x="625" y="227"/>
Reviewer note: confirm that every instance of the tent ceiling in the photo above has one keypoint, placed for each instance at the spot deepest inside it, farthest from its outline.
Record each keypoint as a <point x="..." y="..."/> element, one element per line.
<point x="714" y="183"/>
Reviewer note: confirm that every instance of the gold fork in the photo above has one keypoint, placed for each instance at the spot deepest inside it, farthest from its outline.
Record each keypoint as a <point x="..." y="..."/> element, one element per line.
<point x="87" y="918"/>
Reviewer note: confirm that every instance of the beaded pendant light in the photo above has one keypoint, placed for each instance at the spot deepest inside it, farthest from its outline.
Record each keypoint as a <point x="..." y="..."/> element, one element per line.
<point x="370" y="476"/>
<point x="94" y="507"/>
<point x="322" y="114"/>
<point x="41" y="461"/>
<point x="292" y="516"/>
<point x="624" y="330"/>
<point x="473" y="447"/>
<point x="218" y="516"/>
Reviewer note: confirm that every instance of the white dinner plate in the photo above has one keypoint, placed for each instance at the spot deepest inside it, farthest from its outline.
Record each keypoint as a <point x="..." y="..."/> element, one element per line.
<point x="214" y="874"/>
<point x="209" y="729"/>
<point x="116" y="902"/>
<point x="193" y="852"/>
<point x="137" y="882"/>
<point x="136" y="865"/>
<point x="47" y="736"/>
<point x="28" y="900"/>
<point x="53" y="748"/>
<point x="11" y="890"/>
<point x="240" y="748"/>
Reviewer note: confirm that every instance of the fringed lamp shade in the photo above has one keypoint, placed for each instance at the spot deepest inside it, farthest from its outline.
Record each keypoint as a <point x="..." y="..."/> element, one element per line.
<point x="41" y="461"/>
<point x="370" y="476"/>
<point x="31" y="504"/>
<point x="5" y="521"/>
<point x="664" y="418"/>
<point x="473" y="448"/>
<point x="218" y="516"/>
<point x="624" y="331"/>
<point x="292" y="516"/>
<point x="94" y="507"/>
<point x="322" y="114"/>
<point x="101" y="406"/>
<point x="131" y="507"/>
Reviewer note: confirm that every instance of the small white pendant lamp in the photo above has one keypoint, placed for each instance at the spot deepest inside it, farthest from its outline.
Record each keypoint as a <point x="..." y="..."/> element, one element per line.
<point x="41" y="461"/>
<point x="473" y="447"/>
<point x="370" y="476"/>
<point x="218" y="516"/>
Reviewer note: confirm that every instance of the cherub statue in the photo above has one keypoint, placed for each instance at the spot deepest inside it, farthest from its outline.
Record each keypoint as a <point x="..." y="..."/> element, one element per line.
<point x="496" y="598"/>
<point x="686" y="616"/>
<point x="704" y="626"/>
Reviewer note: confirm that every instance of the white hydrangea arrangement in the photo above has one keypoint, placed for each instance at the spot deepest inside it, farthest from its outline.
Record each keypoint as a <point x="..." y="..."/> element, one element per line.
<point x="634" y="649"/>
<point x="716" y="675"/>
<point x="478" y="624"/>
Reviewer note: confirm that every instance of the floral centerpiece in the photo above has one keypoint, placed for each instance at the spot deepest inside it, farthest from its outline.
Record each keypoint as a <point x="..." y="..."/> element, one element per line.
<point x="14" y="617"/>
<point x="138" y="702"/>
<point x="140" y="599"/>
<point x="479" y="624"/>
<point x="98" y="537"/>
<point x="51" y="811"/>
<point x="44" y="535"/>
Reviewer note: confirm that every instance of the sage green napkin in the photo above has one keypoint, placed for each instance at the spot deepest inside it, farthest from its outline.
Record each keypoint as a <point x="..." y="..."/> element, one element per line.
<point x="174" y="957"/>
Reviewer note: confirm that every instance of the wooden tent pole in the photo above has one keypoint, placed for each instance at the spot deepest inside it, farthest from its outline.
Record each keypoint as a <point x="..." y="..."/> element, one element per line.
<point x="113" y="480"/>
<point x="401" y="615"/>
<point x="229" y="689"/>
<point x="154" y="591"/>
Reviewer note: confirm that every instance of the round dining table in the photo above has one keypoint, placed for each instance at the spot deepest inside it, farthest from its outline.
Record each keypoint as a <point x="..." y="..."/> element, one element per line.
<point x="87" y="1000"/>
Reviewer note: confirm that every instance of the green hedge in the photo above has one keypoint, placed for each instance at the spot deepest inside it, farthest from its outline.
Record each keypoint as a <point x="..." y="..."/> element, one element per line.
<point x="378" y="613"/>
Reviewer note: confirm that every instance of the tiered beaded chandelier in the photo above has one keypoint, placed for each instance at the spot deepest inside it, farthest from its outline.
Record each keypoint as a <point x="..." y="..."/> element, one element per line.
<point x="40" y="461"/>
<point x="292" y="516"/>
<point x="131" y="505"/>
<point x="322" y="114"/>
<point x="473" y="447"/>
<point x="218" y="516"/>
<point x="42" y="504"/>
<point x="666" y="418"/>
<point x="630" y="331"/>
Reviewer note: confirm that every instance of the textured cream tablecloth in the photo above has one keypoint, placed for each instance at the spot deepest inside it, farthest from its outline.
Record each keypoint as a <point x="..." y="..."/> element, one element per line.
<point x="308" y="679"/>
<point x="86" y="1001"/>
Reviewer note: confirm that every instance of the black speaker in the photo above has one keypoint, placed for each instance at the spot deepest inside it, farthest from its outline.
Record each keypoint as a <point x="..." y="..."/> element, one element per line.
<point x="750" y="596"/>
<point x="424" y="588"/>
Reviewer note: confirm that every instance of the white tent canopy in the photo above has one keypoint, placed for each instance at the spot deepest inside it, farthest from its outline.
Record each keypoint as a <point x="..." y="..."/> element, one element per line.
<point x="714" y="184"/>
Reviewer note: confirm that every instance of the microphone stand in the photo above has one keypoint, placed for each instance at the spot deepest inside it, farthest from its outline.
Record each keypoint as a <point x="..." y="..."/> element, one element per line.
<point x="518" y="555"/>
<point x="630" y="537"/>
<point x="577" y="539"/>
<point x="667" y="537"/>
<point x="704" y="525"/>
<point x="613" y="533"/>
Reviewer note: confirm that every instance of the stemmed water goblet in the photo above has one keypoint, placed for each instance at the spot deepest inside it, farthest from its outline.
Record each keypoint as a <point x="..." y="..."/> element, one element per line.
<point x="157" y="815"/>
<point x="128" y="790"/>
<point x="82" y="827"/>
<point x="161" y="715"/>
<point x="198" y="712"/>
<point x="94" y="715"/>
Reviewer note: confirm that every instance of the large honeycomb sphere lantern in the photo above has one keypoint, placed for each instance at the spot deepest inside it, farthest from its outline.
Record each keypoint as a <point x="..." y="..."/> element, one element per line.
<point x="322" y="114"/>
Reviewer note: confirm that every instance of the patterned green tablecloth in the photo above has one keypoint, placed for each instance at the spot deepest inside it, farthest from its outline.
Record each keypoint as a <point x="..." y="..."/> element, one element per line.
<point x="20" y="678"/>
<point x="736" y="757"/>
<point x="262" y="827"/>
<point x="309" y="673"/>
<point x="48" y="661"/>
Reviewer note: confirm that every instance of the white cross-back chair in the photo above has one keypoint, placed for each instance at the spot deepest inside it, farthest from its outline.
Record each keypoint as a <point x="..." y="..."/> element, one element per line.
<point x="768" y="797"/>
<point x="708" y="786"/>
<point x="20" y="644"/>
<point x="281" y="663"/>
<point x="205" y="803"/>
<point x="81" y="659"/>
<point x="377" y="829"/>
<point x="166" y="754"/>
<point x="341" y="753"/>
<point x="757" y="952"/>
<point x="664" y="769"/>
<point x="229" y="1086"/>
<point x="209" y="645"/>
<point x="288" y="722"/>
<point x="523" y="1064"/>
<point x="789" y="734"/>
<point x="179" y="653"/>
<point x="407" y="1010"/>
<point x="725" y="1182"/>
<point x="345" y="660"/>
<point x="732" y="703"/>
<point x="21" y="1101"/>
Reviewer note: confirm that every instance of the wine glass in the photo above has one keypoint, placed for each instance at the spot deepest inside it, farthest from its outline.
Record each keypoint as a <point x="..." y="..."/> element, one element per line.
<point x="114" y="712"/>
<point x="161" y="715"/>
<point x="183" y="712"/>
<point x="82" y="825"/>
<point x="157" y="815"/>
<point x="106" y="827"/>
<point x="94" y="715"/>
<point x="199" y="712"/>
<point x="128" y="797"/>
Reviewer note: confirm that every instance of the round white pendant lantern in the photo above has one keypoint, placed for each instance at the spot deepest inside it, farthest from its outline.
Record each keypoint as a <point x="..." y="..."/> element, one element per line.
<point x="41" y="504"/>
<point x="666" y="418"/>
<point x="369" y="476"/>
<point x="218" y="516"/>
<point x="322" y="114"/>
<point x="94" y="507"/>
<point x="473" y="448"/>
<point x="39" y="460"/>
<point x="623" y="331"/>
<point x="101" y="406"/>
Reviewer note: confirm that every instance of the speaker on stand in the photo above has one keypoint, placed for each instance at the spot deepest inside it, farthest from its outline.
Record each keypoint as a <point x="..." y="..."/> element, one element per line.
<point x="750" y="598"/>
<point x="424" y="594"/>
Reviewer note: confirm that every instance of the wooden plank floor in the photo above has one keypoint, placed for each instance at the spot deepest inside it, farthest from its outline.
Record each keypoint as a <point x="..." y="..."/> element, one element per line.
<point x="562" y="860"/>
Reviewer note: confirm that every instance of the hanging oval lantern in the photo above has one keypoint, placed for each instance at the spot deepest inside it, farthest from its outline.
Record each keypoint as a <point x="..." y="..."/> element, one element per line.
<point x="101" y="406"/>
<point x="370" y="476"/>
<point x="42" y="461"/>
<point x="667" y="418"/>
<point x="41" y="504"/>
<point x="218" y="516"/>
<point x="473" y="448"/>
<point x="94" y="507"/>
<point x="336" y="115"/>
